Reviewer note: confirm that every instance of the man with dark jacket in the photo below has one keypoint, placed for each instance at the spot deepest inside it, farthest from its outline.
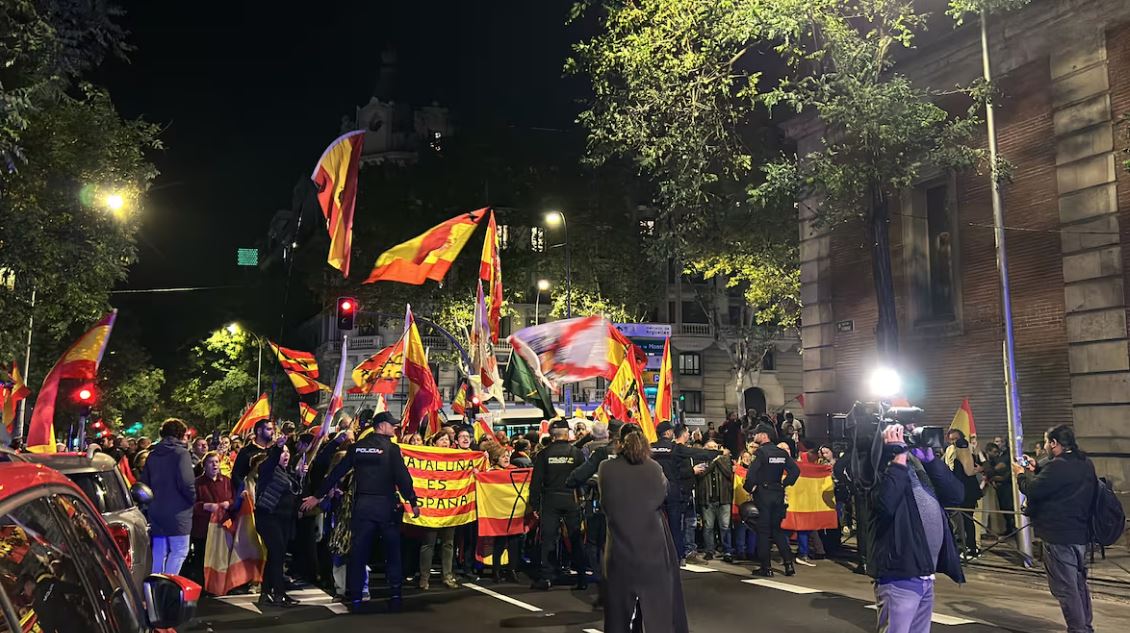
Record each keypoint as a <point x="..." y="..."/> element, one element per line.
<point x="912" y="540"/>
<point x="168" y="471"/>
<point x="714" y="492"/>
<point x="1059" y="504"/>
<point x="677" y="462"/>
<point x="554" y="502"/>
<point x="771" y="471"/>
<point x="584" y="478"/>
<point x="731" y="432"/>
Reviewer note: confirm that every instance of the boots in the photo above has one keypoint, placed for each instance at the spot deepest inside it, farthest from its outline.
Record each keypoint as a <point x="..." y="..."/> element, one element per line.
<point x="790" y="570"/>
<point x="766" y="572"/>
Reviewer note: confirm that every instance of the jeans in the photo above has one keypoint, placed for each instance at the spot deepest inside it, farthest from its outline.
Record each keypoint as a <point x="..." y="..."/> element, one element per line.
<point x="169" y="553"/>
<point x="715" y="513"/>
<point x="809" y="543"/>
<point x="674" y="509"/>
<point x="1067" y="579"/>
<point x="746" y="541"/>
<point x="690" y="522"/>
<point x="905" y="606"/>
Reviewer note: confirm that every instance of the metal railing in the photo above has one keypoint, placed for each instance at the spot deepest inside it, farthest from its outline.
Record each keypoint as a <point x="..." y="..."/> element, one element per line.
<point x="696" y="329"/>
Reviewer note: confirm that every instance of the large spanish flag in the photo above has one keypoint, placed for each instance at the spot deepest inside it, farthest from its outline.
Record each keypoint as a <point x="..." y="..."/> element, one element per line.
<point x="335" y="176"/>
<point x="424" y="401"/>
<point x="663" y="394"/>
<point x="503" y="497"/>
<point x="444" y="480"/>
<point x="381" y="372"/>
<point x="429" y="255"/>
<point x="304" y="384"/>
<point x="812" y="502"/>
<point x="619" y="348"/>
<point x="490" y="272"/>
<point x="260" y="410"/>
<point x="79" y="362"/>
<point x="963" y="420"/>
<point x="295" y="360"/>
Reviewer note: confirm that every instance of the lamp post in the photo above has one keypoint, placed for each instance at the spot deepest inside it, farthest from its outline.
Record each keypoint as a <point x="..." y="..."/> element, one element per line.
<point x="543" y="285"/>
<point x="233" y="329"/>
<point x="553" y="218"/>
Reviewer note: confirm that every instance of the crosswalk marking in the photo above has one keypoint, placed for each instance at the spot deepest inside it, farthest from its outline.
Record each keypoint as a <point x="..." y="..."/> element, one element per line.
<point x="783" y="586"/>
<point x="938" y="618"/>
<point x="308" y="596"/>
<point x="698" y="569"/>
<point x="494" y="594"/>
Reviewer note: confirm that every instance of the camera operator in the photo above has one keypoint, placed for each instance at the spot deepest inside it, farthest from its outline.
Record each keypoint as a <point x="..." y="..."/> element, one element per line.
<point x="912" y="540"/>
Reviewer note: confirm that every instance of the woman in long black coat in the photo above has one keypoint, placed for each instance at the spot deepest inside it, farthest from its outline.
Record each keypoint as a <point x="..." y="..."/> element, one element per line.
<point x="640" y="563"/>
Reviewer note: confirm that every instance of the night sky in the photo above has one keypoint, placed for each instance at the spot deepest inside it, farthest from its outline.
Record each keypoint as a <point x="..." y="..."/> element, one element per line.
<point x="249" y="95"/>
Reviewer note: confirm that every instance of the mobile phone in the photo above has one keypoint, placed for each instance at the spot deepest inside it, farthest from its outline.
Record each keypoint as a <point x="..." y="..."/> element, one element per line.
<point x="1025" y="461"/>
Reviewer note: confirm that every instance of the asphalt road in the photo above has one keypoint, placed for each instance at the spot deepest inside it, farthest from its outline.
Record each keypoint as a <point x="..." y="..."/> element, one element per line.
<point x="716" y="601"/>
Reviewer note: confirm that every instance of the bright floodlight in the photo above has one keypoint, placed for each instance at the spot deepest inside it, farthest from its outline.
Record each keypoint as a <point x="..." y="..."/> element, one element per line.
<point x="233" y="328"/>
<point x="885" y="382"/>
<point x="115" y="202"/>
<point x="554" y="218"/>
<point x="543" y="284"/>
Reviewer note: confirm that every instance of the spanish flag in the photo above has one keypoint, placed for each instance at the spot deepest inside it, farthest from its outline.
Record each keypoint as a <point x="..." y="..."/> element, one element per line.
<point x="812" y="503"/>
<point x="261" y="410"/>
<point x="462" y="398"/>
<point x="307" y="413"/>
<point x="503" y="498"/>
<point x="626" y="401"/>
<point x="423" y="396"/>
<point x="303" y="384"/>
<point x="429" y="255"/>
<point x="444" y="481"/>
<point x="79" y="362"/>
<point x="294" y="360"/>
<point x="740" y="495"/>
<point x="12" y="395"/>
<point x="335" y="177"/>
<point x="490" y="272"/>
<point x="619" y="348"/>
<point x="482" y="428"/>
<point x="381" y="372"/>
<point x="663" y="396"/>
<point x="963" y="420"/>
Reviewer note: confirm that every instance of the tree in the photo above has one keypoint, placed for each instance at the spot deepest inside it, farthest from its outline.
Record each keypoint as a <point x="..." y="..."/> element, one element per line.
<point x="130" y="386"/>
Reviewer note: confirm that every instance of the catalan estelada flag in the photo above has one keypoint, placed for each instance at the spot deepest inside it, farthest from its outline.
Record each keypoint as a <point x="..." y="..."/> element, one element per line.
<point x="444" y="480"/>
<point x="490" y="273"/>
<point x="307" y="413"/>
<point x="381" y="372"/>
<point x="295" y="360"/>
<point x="335" y="177"/>
<point x="663" y="394"/>
<point x="429" y="255"/>
<point x="625" y="399"/>
<point x="812" y="502"/>
<point x="259" y="410"/>
<point x="503" y="497"/>
<point x="424" y="401"/>
<point x="963" y="420"/>
<point x="304" y="384"/>
<point x="79" y="362"/>
<point x="12" y="393"/>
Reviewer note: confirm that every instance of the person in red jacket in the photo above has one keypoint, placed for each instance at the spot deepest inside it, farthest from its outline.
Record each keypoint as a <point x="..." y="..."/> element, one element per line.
<point x="213" y="492"/>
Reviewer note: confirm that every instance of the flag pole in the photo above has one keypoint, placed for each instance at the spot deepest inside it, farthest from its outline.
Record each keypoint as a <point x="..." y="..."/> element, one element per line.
<point x="19" y="430"/>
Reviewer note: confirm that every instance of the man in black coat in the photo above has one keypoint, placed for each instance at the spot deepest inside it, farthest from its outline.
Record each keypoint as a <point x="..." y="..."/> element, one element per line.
<point x="555" y="502"/>
<point x="771" y="471"/>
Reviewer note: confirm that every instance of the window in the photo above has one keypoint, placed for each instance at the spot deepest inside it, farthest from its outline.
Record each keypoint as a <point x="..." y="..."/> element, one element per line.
<point x="930" y="237"/>
<point x="692" y="401"/>
<point x="734" y="312"/>
<point x="693" y="313"/>
<point x="537" y="239"/>
<point x="503" y="237"/>
<point x="769" y="362"/>
<point x="941" y="254"/>
<point x="690" y="364"/>
<point x="104" y="490"/>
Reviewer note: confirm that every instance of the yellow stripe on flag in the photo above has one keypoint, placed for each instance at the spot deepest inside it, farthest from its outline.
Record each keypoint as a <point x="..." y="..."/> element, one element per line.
<point x="503" y="496"/>
<point x="812" y="501"/>
<point x="444" y="481"/>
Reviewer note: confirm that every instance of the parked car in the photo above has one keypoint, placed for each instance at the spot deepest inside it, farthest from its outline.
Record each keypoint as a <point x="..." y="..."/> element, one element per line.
<point x="61" y="570"/>
<point x="119" y="503"/>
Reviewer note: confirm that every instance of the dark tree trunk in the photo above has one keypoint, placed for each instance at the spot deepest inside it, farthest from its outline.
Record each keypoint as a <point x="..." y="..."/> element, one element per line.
<point x="879" y="233"/>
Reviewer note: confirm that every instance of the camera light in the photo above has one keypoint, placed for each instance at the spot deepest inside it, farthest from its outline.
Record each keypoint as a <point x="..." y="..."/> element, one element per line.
<point x="885" y="382"/>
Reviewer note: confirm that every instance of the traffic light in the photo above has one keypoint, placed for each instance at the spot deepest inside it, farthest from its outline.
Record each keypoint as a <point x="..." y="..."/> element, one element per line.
<point x="85" y="397"/>
<point x="346" y="313"/>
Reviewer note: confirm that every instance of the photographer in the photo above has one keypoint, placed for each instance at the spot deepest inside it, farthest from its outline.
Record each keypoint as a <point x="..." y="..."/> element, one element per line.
<point x="912" y="540"/>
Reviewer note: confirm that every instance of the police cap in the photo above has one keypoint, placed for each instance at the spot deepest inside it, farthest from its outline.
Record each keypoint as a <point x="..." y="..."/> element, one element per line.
<point x="663" y="428"/>
<point x="384" y="417"/>
<point x="557" y="425"/>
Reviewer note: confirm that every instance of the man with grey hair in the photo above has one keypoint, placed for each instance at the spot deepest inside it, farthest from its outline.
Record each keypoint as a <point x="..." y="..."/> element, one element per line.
<point x="599" y="431"/>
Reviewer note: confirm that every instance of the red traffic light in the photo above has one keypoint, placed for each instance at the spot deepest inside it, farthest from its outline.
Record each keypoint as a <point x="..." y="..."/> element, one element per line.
<point x="97" y="425"/>
<point x="347" y="305"/>
<point x="85" y="395"/>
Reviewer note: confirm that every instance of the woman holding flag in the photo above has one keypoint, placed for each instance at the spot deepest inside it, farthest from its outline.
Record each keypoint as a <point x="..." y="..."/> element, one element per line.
<point x="445" y="536"/>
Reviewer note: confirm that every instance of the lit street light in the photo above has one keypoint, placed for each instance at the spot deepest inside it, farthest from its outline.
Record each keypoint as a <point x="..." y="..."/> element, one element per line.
<point x="553" y="218"/>
<point x="115" y="202"/>
<point x="543" y="285"/>
<point x="233" y="328"/>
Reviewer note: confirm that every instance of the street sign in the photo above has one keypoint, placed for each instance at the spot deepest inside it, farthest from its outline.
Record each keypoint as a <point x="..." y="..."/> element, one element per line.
<point x="845" y="326"/>
<point x="247" y="257"/>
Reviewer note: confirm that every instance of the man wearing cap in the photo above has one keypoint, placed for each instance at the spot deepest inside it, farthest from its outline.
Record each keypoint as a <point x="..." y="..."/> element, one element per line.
<point x="678" y="463"/>
<point x="378" y="474"/>
<point x="770" y="472"/>
<point x="554" y="501"/>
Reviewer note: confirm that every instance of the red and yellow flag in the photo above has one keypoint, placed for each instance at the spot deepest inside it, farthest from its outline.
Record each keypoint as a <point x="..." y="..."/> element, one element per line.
<point x="303" y="384"/>
<point x="260" y="410"/>
<point x="335" y="177"/>
<point x="663" y="394"/>
<point x="625" y="399"/>
<point x="502" y="501"/>
<point x="79" y="362"/>
<point x="429" y="255"/>
<point x="963" y="420"/>
<point x="619" y="347"/>
<point x="462" y="398"/>
<point x="812" y="502"/>
<point x="381" y="372"/>
<point x="12" y="394"/>
<point x="424" y="400"/>
<point x="740" y="495"/>
<point x="490" y="272"/>
<point x="444" y="480"/>
<point x="307" y="413"/>
<point x="482" y="428"/>
<point x="295" y="360"/>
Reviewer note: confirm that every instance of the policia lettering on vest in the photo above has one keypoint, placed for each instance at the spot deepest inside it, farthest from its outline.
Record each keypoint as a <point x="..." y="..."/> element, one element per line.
<point x="771" y="471"/>
<point x="555" y="502"/>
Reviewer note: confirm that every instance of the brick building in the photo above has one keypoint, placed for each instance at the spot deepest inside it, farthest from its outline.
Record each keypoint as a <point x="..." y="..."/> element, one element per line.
<point x="1063" y="67"/>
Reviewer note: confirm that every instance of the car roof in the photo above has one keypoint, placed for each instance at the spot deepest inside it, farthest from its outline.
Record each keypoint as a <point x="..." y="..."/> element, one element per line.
<point x="69" y="463"/>
<point x="16" y="478"/>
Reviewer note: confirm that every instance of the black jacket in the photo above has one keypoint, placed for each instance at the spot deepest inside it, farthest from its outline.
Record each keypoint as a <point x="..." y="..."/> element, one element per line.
<point x="378" y="470"/>
<point x="900" y="549"/>
<point x="582" y="474"/>
<point x="276" y="490"/>
<point x="552" y="467"/>
<point x="242" y="466"/>
<point x="771" y="469"/>
<point x="1060" y="498"/>
<point x="677" y="461"/>
<point x="168" y="471"/>
<point x="716" y="482"/>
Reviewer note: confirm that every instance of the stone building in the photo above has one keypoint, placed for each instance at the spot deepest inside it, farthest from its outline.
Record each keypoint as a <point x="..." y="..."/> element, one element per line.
<point x="1063" y="67"/>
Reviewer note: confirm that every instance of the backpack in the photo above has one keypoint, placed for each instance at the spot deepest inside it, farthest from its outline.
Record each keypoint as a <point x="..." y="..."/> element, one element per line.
<point x="1108" y="519"/>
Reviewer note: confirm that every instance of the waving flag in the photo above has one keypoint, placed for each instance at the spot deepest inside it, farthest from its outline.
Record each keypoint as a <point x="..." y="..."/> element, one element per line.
<point x="503" y="500"/>
<point x="307" y="413"/>
<point x="663" y="394"/>
<point x="303" y="384"/>
<point x="483" y="360"/>
<point x="381" y="372"/>
<point x="424" y="401"/>
<point x="335" y="177"/>
<point x="482" y="427"/>
<point x="490" y="272"/>
<point x="260" y="410"/>
<point x="429" y="255"/>
<point x="336" y="398"/>
<point x="79" y="362"/>
<point x="619" y="348"/>
<point x="444" y="480"/>
<point x="294" y="360"/>
<point x="571" y="350"/>
<point x="963" y="420"/>
<point x="625" y="399"/>
<point x="12" y="394"/>
<point x="521" y="381"/>
<point x="811" y="501"/>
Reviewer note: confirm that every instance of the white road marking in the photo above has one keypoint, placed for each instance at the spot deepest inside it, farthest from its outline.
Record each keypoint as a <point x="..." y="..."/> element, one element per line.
<point x="698" y="569"/>
<point x="245" y="601"/>
<point x="939" y="618"/>
<point x="591" y="631"/>
<point x="494" y="594"/>
<point x="783" y="586"/>
<point x="801" y="561"/>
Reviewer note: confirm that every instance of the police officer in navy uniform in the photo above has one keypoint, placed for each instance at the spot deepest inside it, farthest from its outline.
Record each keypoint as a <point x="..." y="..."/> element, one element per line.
<point x="378" y="474"/>
<point x="679" y="466"/>
<point x="770" y="472"/>
<point x="554" y="501"/>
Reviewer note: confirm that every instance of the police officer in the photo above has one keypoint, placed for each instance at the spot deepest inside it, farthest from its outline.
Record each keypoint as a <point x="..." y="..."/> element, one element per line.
<point x="770" y="472"/>
<point x="584" y="479"/>
<point x="678" y="463"/>
<point x="553" y="501"/>
<point x="378" y="474"/>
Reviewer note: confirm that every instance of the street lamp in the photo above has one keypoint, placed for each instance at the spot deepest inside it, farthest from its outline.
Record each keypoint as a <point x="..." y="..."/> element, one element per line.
<point x="543" y="285"/>
<point x="553" y="218"/>
<point x="233" y="329"/>
<point x="115" y="202"/>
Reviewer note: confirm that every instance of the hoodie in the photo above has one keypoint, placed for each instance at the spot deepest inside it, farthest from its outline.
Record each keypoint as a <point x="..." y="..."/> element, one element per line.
<point x="168" y="471"/>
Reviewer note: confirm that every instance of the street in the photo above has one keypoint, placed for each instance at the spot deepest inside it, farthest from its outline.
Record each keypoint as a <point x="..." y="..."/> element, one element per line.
<point x="719" y="598"/>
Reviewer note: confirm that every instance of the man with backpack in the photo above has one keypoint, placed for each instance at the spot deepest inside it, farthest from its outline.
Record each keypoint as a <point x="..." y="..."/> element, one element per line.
<point x="1061" y="501"/>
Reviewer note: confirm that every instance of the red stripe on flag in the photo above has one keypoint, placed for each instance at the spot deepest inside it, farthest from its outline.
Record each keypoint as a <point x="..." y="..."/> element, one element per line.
<point x="808" y="521"/>
<point x="501" y="527"/>
<point x="466" y="508"/>
<point x="454" y="493"/>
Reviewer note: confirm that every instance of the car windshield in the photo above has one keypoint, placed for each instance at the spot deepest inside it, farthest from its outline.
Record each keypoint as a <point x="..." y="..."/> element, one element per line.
<point x="104" y="489"/>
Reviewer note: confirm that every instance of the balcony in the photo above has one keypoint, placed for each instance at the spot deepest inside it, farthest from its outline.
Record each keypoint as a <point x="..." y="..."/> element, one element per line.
<point x="437" y="343"/>
<point x="696" y="329"/>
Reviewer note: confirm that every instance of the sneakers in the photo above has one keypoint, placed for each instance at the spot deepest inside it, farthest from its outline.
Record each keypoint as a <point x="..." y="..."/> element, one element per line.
<point x="805" y="561"/>
<point x="728" y="558"/>
<point x="764" y="572"/>
<point x="450" y="582"/>
<point x="424" y="585"/>
<point x="693" y="558"/>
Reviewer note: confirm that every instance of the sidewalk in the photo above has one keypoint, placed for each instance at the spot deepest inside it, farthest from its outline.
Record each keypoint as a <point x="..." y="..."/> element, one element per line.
<point x="1109" y="574"/>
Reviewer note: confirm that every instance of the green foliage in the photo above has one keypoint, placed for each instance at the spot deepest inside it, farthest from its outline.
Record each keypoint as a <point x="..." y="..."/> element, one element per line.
<point x="587" y="302"/>
<point x="130" y="386"/>
<point x="959" y="9"/>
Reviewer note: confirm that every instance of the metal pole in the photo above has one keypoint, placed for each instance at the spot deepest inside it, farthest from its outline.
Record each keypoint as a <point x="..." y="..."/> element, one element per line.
<point x="568" y="306"/>
<point x="259" y="371"/>
<point x="19" y="430"/>
<point x="537" y="305"/>
<point x="1012" y="390"/>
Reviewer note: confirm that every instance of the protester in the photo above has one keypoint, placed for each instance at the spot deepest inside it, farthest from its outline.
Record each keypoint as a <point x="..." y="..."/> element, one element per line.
<point x="998" y="482"/>
<point x="960" y="459"/>
<point x="445" y="536"/>
<point x="1059" y="503"/>
<point x="697" y="459"/>
<point x="276" y="510"/>
<point x="771" y="471"/>
<point x="583" y="478"/>
<point x="168" y="472"/>
<point x="521" y="455"/>
<point x="714" y="493"/>
<point x="213" y="492"/>
<point x="745" y="536"/>
<point x="509" y="546"/>
<point x="911" y="537"/>
<point x="466" y="535"/>
<point x="554" y="503"/>
<point x="264" y="438"/>
<point x="641" y="562"/>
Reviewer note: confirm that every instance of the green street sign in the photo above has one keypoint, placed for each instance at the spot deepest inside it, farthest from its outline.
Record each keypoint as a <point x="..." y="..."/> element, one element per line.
<point x="247" y="257"/>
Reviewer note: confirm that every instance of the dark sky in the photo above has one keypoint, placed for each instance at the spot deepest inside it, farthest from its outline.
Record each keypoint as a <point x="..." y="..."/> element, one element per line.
<point x="250" y="93"/>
